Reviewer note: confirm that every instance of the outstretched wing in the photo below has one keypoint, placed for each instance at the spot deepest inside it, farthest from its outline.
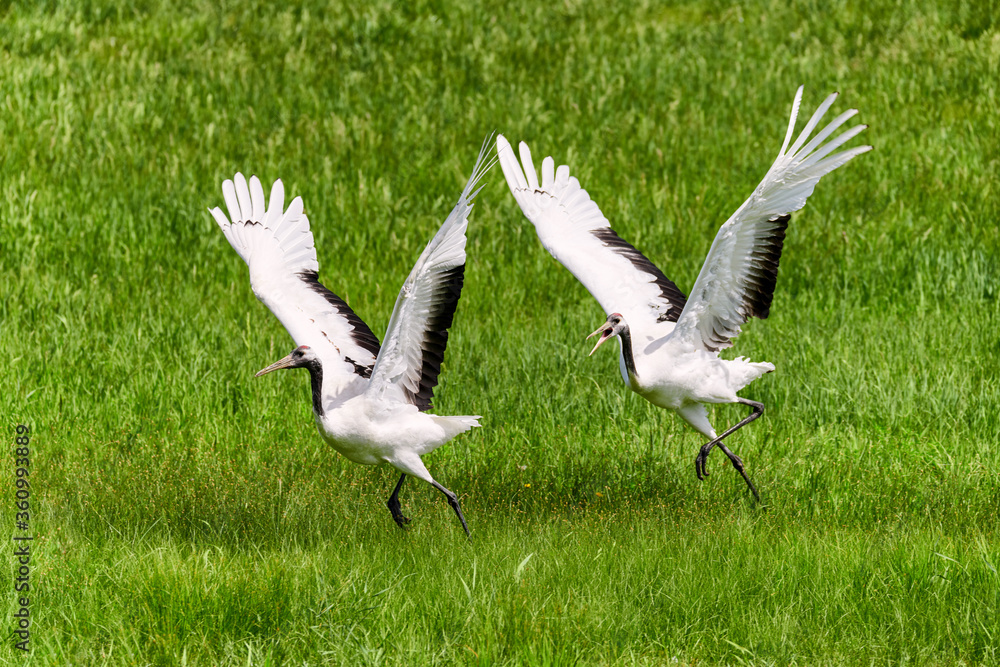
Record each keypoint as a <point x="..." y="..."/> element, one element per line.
<point x="573" y="229"/>
<point x="278" y="247"/>
<point x="408" y="365"/>
<point x="738" y="277"/>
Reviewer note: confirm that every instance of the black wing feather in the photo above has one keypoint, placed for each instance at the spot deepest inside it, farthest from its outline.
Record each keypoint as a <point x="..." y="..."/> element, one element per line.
<point x="446" y="293"/>
<point x="763" y="274"/>
<point x="361" y="334"/>
<point x="668" y="290"/>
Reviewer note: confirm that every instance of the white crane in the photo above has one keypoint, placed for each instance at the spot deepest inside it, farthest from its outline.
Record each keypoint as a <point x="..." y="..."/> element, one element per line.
<point x="669" y="344"/>
<point x="370" y="402"/>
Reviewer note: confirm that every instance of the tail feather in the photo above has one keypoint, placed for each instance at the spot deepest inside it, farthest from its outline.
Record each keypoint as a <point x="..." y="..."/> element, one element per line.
<point x="457" y="423"/>
<point x="743" y="371"/>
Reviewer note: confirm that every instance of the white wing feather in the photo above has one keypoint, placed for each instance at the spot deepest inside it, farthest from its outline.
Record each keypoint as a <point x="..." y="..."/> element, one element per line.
<point x="736" y="281"/>
<point x="408" y="365"/>
<point x="278" y="247"/>
<point x="572" y="228"/>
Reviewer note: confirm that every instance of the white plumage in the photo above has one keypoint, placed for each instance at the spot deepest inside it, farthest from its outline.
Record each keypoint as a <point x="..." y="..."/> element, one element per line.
<point x="669" y="343"/>
<point x="369" y="401"/>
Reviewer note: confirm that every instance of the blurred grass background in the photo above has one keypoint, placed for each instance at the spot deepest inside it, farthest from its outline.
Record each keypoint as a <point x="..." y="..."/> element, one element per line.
<point x="186" y="513"/>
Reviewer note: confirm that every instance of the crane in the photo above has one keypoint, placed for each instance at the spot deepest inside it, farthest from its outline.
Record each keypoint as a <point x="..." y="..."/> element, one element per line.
<point x="370" y="401"/>
<point x="669" y="343"/>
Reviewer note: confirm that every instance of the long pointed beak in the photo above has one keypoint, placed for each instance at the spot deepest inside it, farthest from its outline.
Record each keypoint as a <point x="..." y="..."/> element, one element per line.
<point x="605" y="332"/>
<point x="281" y="363"/>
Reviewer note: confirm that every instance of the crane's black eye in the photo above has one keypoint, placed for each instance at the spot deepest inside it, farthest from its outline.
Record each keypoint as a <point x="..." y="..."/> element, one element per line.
<point x="298" y="353"/>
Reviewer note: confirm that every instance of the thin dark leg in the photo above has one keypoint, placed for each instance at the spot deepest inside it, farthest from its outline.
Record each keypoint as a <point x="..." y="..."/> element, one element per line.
<point x="699" y="462"/>
<point x="453" y="501"/>
<point x="393" y="504"/>
<point x="702" y="458"/>
<point x="738" y="464"/>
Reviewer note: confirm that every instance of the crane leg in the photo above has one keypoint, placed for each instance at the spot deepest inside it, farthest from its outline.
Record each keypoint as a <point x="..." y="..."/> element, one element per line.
<point x="393" y="504"/>
<point x="453" y="501"/>
<point x="700" y="460"/>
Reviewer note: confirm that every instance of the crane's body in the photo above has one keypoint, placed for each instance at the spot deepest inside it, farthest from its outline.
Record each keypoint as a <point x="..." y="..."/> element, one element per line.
<point x="669" y="342"/>
<point x="370" y="401"/>
<point x="369" y="432"/>
<point x="679" y="376"/>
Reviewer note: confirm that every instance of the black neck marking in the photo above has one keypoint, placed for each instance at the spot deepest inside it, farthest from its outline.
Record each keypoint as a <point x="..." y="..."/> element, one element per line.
<point x="626" y="337"/>
<point x="315" y="369"/>
<point x="669" y="292"/>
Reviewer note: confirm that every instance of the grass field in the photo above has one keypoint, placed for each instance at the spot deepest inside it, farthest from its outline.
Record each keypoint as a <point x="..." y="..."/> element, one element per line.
<point x="187" y="513"/>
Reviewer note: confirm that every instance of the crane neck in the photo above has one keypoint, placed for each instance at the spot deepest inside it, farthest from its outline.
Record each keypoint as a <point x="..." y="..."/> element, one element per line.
<point x="626" y="339"/>
<point x="315" y="369"/>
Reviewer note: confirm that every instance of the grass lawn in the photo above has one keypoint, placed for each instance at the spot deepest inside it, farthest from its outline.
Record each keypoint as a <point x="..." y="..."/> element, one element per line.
<point x="186" y="513"/>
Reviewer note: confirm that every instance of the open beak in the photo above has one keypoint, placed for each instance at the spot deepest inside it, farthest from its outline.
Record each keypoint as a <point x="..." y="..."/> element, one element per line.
<point x="605" y="331"/>
<point x="282" y="363"/>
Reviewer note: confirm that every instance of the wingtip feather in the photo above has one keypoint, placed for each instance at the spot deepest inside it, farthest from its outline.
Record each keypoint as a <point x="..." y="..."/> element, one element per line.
<point x="243" y="197"/>
<point x="220" y="217"/>
<point x="813" y="122"/>
<point x="510" y="166"/>
<point x="229" y="196"/>
<point x="791" y="120"/>
<point x="548" y="173"/>
<point x="256" y="199"/>
<point x="817" y="157"/>
<point x="485" y="161"/>
<point x="528" y="165"/>
<point x="294" y="211"/>
<point x="276" y="204"/>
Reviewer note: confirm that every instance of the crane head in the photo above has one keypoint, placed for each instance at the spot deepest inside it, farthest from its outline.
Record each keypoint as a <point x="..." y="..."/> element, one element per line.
<point x="613" y="326"/>
<point x="301" y="356"/>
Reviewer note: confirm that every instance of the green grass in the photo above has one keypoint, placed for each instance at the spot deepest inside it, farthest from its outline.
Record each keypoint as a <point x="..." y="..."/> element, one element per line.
<point x="186" y="513"/>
